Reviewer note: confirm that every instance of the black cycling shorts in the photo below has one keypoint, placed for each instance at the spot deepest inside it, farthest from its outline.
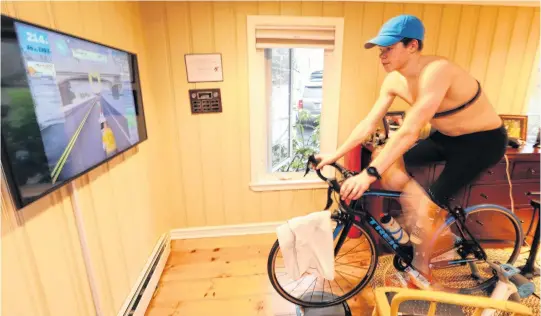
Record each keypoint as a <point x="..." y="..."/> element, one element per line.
<point x="465" y="157"/>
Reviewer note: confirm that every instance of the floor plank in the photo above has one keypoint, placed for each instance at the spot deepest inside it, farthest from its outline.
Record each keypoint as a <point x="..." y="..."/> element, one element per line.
<point x="227" y="276"/>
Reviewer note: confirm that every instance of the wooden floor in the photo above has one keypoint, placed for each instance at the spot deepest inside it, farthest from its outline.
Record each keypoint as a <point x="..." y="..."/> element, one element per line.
<point x="226" y="276"/>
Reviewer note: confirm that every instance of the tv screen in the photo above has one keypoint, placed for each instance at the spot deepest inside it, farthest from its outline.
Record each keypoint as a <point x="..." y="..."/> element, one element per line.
<point x="68" y="105"/>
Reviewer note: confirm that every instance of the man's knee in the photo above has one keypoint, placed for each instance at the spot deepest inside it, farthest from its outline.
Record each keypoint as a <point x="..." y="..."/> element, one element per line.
<point x="395" y="177"/>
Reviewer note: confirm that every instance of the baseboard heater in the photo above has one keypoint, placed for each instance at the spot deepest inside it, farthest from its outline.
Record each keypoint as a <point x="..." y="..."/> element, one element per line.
<point x="137" y="302"/>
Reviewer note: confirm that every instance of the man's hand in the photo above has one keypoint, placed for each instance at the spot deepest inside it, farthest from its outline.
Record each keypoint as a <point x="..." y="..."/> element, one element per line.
<point x="325" y="160"/>
<point x="354" y="187"/>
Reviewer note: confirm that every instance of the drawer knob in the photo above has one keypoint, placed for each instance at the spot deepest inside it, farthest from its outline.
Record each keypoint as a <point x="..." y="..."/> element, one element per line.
<point x="490" y="172"/>
<point x="532" y="171"/>
<point x="484" y="196"/>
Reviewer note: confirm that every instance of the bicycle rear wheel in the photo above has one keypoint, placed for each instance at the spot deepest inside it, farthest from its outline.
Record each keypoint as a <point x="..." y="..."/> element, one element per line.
<point x="499" y="233"/>
<point x="354" y="264"/>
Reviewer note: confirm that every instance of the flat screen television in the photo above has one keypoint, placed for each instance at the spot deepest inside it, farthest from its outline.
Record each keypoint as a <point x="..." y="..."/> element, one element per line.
<point x="68" y="105"/>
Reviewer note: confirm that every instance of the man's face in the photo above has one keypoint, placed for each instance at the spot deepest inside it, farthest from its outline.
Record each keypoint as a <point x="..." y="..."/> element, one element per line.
<point x="394" y="57"/>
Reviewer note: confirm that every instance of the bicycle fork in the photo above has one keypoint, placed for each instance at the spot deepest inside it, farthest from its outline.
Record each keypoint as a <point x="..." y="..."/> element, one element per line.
<point x="341" y="218"/>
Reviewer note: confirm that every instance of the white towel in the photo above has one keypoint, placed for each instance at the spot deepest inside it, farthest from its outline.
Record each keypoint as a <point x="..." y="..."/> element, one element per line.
<point x="308" y="241"/>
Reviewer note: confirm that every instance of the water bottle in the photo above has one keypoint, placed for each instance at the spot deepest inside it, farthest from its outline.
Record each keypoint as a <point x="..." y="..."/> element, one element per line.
<point x="394" y="228"/>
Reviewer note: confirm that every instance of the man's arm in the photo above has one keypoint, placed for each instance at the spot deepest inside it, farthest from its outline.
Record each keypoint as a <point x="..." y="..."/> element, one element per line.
<point x="433" y="85"/>
<point x="368" y="125"/>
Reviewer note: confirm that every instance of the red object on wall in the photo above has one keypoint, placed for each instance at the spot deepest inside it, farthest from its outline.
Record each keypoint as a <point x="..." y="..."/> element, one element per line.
<point x="352" y="161"/>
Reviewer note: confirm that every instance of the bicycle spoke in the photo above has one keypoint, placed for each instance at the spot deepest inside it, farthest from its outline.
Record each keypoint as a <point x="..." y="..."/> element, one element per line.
<point x="296" y="287"/>
<point x="340" y="286"/>
<point x="323" y="291"/>
<point x="313" y="291"/>
<point x="349" y="252"/>
<point x="347" y="273"/>
<point x="307" y="288"/>
<point x="292" y="283"/>
<point x="344" y="278"/>
<point x="331" y="288"/>
<point x="349" y="264"/>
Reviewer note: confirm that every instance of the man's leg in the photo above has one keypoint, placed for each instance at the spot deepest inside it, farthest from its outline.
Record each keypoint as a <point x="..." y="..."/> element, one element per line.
<point x="465" y="158"/>
<point x="415" y="203"/>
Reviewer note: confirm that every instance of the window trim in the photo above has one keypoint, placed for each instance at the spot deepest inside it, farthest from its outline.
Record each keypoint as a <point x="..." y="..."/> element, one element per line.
<point x="260" y="179"/>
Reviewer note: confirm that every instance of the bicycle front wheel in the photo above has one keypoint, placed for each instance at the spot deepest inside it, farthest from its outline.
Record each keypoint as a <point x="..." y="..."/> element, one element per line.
<point x="498" y="232"/>
<point x="354" y="265"/>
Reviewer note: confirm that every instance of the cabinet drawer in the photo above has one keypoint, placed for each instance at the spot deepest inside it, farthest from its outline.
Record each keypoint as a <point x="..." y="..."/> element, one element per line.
<point x="499" y="194"/>
<point x="494" y="173"/>
<point x="489" y="193"/>
<point x="519" y="193"/>
<point x="525" y="170"/>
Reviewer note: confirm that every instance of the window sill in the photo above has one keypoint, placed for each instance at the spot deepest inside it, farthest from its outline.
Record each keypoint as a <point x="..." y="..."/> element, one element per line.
<point x="279" y="185"/>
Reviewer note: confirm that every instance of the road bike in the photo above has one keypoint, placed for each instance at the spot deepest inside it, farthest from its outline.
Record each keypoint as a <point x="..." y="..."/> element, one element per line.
<point x="465" y="244"/>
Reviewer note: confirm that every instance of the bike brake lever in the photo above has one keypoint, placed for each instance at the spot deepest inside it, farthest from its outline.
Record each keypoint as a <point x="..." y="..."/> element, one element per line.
<point x="307" y="168"/>
<point x="311" y="160"/>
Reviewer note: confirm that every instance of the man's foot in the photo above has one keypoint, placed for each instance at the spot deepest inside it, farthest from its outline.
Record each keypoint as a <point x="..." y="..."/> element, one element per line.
<point x="418" y="279"/>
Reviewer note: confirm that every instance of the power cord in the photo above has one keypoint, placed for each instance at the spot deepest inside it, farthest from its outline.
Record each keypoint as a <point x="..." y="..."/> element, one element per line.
<point x="510" y="185"/>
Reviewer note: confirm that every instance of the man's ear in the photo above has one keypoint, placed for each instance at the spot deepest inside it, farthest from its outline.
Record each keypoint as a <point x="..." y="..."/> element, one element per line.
<point x="414" y="46"/>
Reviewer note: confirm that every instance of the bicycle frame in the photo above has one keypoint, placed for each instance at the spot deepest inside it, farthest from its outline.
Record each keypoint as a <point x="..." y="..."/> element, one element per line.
<point x="457" y="213"/>
<point x="372" y="222"/>
<point x="348" y="217"/>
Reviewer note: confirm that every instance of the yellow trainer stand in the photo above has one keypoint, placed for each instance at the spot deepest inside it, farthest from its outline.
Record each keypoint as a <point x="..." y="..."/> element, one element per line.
<point x="383" y="308"/>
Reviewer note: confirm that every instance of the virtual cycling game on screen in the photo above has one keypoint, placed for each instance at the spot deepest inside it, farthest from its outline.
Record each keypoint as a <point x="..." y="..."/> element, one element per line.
<point x="76" y="108"/>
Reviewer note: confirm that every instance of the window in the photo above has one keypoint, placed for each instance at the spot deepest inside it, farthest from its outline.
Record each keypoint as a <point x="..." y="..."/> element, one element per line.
<point x="294" y="68"/>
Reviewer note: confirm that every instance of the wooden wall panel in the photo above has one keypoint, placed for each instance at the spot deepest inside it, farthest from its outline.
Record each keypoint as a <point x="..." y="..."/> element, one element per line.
<point x="250" y="203"/>
<point x="123" y="204"/>
<point x="226" y="39"/>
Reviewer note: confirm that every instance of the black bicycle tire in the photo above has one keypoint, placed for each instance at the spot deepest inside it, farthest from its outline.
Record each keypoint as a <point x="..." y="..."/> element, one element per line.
<point x="516" y="252"/>
<point x="369" y="275"/>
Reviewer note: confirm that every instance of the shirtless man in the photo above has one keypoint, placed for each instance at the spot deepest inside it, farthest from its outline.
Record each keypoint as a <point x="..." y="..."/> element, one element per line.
<point x="469" y="136"/>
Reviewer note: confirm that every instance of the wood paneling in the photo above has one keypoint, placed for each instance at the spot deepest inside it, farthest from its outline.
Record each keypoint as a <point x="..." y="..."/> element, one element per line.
<point x="125" y="205"/>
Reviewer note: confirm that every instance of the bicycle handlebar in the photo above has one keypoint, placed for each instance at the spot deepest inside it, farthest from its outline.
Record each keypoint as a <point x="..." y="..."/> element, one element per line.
<point x="332" y="182"/>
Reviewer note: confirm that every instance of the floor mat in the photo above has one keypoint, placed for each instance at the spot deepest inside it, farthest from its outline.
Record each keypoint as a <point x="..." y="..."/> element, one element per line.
<point x="385" y="275"/>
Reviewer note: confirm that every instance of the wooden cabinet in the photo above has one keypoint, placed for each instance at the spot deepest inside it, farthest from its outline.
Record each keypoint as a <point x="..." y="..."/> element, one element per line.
<point x="492" y="186"/>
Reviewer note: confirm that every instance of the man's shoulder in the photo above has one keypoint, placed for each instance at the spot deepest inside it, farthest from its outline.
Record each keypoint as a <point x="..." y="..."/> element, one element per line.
<point x="436" y="66"/>
<point x="391" y="81"/>
<point x="393" y="77"/>
<point x="439" y="62"/>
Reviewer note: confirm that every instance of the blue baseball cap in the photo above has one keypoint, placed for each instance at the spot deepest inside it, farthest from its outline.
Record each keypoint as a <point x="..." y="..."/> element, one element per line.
<point x="396" y="29"/>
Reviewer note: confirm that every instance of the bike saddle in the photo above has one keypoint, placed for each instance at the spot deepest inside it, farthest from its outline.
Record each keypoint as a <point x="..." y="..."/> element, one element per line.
<point x="534" y="203"/>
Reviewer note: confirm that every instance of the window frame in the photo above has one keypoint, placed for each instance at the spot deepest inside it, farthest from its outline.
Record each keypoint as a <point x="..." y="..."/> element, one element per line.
<point x="261" y="180"/>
